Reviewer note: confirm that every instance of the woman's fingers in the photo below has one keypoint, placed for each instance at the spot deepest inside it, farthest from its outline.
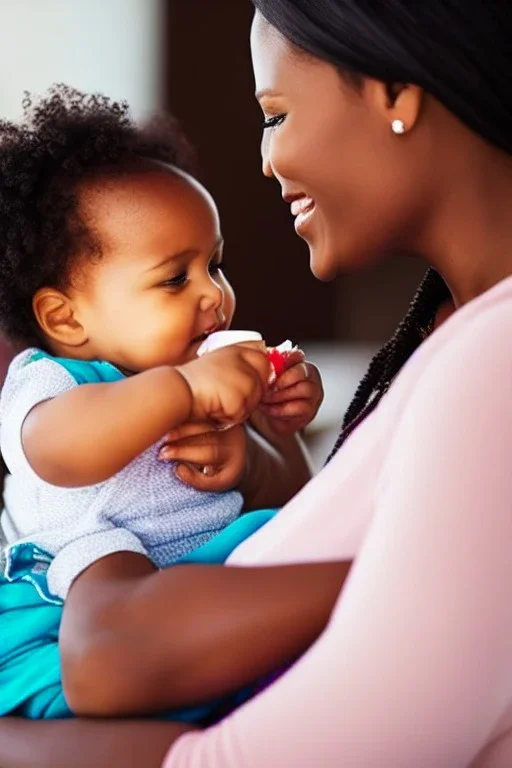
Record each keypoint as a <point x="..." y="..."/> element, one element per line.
<point x="213" y="478"/>
<point x="191" y="429"/>
<point x="201" y="454"/>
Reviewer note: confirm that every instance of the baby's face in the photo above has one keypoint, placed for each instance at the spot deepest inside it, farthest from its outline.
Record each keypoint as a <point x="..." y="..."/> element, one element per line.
<point x="158" y="288"/>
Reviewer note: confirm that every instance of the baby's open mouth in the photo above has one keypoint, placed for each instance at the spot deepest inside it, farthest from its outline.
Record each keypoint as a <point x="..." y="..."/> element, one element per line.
<point x="203" y="336"/>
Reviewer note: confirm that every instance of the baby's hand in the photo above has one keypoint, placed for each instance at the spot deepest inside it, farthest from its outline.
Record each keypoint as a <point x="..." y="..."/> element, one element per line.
<point x="207" y="460"/>
<point x="295" y="397"/>
<point x="226" y="385"/>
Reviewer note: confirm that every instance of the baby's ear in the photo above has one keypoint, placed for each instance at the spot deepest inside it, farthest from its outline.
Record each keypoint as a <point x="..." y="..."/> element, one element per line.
<point x="56" y="316"/>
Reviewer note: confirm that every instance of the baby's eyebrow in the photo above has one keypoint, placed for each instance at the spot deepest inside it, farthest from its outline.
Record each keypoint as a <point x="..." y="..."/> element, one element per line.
<point x="189" y="253"/>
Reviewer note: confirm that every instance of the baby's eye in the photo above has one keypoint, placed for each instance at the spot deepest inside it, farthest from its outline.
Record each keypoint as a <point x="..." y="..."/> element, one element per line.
<point x="177" y="282"/>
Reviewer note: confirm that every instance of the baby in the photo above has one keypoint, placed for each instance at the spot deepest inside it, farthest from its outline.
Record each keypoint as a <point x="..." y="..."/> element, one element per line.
<point x="112" y="279"/>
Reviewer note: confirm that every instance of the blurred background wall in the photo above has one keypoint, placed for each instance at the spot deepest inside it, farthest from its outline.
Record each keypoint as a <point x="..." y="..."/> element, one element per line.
<point x="192" y="57"/>
<point x="113" y="46"/>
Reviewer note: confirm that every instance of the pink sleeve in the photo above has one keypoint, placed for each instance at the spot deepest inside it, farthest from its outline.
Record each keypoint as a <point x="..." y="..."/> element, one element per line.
<point x="415" y="667"/>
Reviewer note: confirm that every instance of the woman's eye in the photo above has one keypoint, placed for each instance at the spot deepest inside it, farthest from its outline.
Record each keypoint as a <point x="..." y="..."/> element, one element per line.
<point x="176" y="282"/>
<point x="273" y="122"/>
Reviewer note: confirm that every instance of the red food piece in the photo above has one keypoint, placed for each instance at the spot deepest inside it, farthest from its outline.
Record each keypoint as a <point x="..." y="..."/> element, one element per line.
<point x="277" y="360"/>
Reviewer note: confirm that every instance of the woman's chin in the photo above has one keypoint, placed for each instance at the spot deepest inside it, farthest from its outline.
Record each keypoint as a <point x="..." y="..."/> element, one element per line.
<point x="323" y="263"/>
<point x="326" y="261"/>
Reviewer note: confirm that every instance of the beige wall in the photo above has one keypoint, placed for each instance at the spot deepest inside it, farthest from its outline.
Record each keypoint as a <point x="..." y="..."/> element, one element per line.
<point x="111" y="46"/>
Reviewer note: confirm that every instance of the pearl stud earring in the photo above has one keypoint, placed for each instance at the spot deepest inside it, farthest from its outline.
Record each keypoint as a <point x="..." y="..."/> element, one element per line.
<point x="398" y="126"/>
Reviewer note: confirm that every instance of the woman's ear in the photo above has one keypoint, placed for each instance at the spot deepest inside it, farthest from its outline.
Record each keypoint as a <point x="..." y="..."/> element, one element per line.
<point x="57" y="318"/>
<point x="398" y="104"/>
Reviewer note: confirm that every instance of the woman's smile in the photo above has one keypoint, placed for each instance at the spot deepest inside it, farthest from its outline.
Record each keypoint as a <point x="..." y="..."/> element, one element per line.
<point x="303" y="209"/>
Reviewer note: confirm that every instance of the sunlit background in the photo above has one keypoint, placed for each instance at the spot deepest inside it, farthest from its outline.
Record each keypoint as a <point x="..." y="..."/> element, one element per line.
<point x="192" y="57"/>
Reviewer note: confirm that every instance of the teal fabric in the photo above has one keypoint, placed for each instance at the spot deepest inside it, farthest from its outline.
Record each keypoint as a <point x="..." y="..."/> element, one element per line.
<point x="30" y="676"/>
<point x="84" y="371"/>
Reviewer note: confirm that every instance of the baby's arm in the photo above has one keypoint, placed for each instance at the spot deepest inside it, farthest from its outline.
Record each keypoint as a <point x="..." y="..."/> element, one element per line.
<point x="86" y="435"/>
<point x="89" y="433"/>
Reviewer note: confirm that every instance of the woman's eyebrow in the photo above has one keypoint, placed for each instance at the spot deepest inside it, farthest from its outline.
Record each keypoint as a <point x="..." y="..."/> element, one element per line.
<point x="266" y="92"/>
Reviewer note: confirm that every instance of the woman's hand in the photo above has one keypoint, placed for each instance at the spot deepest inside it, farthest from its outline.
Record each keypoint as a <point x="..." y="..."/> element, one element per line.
<point x="207" y="460"/>
<point x="226" y="385"/>
<point x="293" y="401"/>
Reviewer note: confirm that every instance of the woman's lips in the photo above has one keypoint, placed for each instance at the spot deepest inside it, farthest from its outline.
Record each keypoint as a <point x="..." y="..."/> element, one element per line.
<point x="303" y="209"/>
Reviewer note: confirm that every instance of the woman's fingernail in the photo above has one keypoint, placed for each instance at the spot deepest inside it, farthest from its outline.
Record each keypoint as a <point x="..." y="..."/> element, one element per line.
<point x="165" y="453"/>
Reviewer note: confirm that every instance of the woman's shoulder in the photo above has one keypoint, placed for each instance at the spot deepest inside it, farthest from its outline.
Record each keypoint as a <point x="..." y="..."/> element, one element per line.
<point x="481" y="325"/>
<point x="469" y="354"/>
<point x="492" y="306"/>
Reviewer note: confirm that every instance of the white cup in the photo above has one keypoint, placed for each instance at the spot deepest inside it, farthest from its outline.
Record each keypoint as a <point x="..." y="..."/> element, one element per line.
<point x="221" y="339"/>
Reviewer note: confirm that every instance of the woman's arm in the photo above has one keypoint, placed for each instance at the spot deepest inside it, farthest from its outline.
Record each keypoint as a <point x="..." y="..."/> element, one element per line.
<point x="134" y="640"/>
<point x="277" y="466"/>
<point x="85" y="743"/>
<point x="415" y="666"/>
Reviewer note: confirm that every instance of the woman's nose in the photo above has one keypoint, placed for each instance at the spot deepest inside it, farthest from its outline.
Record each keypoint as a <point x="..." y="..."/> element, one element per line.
<point x="266" y="166"/>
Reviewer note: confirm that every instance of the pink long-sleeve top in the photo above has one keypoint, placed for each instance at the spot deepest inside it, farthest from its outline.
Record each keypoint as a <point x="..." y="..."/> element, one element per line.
<point x="415" y="666"/>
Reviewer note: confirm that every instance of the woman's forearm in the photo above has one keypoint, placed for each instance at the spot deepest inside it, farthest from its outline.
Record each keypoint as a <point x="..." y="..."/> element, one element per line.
<point x="277" y="466"/>
<point x="135" y="642"/>
<point x="85" y="743"/>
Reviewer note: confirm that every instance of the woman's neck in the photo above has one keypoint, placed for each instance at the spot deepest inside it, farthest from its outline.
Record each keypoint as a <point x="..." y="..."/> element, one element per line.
<point x="469" y="239"/>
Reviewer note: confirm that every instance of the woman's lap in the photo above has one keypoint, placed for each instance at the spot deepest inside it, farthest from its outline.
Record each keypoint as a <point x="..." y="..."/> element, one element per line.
<point x="30" y="665"/>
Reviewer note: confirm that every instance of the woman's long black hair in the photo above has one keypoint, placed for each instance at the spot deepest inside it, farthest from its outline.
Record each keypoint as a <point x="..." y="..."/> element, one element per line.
<point x="457" y="50"/>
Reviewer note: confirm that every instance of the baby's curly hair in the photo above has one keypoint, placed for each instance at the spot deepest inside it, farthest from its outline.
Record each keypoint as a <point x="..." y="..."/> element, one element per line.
<point x="66" y="137"/>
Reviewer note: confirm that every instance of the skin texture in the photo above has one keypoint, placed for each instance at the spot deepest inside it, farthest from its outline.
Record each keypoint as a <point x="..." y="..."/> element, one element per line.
<point x="158" y="284"/>
<point x="145" y="305"/>
<point x="436" y="191"/>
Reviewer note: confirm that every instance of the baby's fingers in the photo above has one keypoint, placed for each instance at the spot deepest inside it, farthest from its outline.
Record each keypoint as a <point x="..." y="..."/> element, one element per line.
<point x="288" y="410"/>
<point x="298" y="372"/>
<point x="303" y="390"/>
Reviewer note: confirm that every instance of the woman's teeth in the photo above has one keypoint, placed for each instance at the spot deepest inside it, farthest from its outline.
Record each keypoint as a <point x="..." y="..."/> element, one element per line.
<point x="301" y="205"/>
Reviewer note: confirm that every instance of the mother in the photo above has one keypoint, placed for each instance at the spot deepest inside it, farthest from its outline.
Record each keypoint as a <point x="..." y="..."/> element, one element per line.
<point x="389" y="127"/>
